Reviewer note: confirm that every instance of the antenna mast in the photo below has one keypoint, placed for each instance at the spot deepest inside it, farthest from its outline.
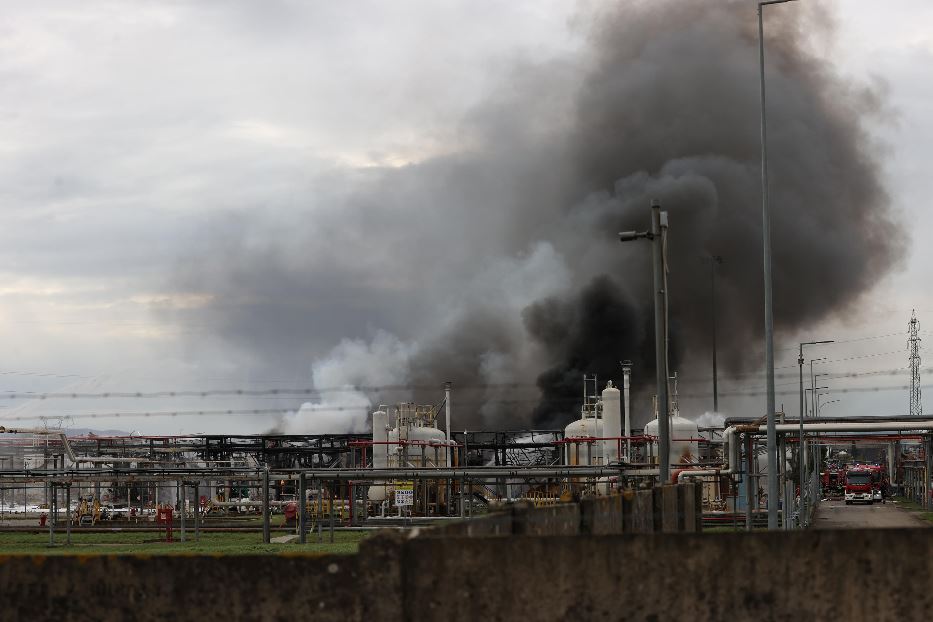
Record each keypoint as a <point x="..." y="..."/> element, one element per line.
<point x="913" y="344"/>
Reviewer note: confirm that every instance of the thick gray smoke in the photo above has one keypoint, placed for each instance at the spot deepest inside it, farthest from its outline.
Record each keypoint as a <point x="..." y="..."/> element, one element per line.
<point x="498" y="266"/>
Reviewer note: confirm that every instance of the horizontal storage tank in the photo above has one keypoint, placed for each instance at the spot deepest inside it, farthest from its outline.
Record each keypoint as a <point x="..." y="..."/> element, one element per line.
<point x="584" y="452"/>
<point x="685" y="449"/>
<point x="426" y="448"/>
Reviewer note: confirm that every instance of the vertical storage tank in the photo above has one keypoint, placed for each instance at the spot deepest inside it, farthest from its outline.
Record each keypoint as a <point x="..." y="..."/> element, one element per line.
<point x="612" y="423"/>
<point x="380" y="449"/>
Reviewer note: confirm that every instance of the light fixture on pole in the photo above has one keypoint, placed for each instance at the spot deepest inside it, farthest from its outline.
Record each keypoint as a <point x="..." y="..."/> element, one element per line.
<point x="824" y="405"/>
<point x="769" y="310"/>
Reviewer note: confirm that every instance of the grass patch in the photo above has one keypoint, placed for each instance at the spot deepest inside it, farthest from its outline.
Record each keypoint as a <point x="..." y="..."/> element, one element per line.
<point x="135" y="543"/>
<point x="914" y="508"/>
<point x="907" y="504"/>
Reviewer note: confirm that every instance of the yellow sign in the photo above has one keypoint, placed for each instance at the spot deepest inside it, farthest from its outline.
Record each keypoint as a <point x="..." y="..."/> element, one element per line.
<point x="404" y="485"/>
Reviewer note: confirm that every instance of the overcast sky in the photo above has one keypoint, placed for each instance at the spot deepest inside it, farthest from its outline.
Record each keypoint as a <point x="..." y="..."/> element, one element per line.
<point x="132" y="131"/>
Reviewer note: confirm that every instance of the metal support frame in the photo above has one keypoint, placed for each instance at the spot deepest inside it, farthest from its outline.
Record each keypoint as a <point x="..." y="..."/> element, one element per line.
<point x="302" y="508"/>
<point x="266" y="537"/>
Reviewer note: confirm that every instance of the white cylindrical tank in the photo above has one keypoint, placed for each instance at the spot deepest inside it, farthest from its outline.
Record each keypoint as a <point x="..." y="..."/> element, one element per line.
<point x="685" y="449"/>
<point x="612" y="422"/>
<point x="685" y="446"/>
<point x="427" y="448"/>
<point x="583" y="452"/>
<point x="378" y="490"/>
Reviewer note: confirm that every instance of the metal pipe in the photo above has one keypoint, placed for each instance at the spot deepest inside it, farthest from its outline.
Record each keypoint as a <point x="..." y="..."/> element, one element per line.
<point x="320" y="512"/>
<point x="50" y="494"/>
<point x="266" y="538"/>
<point x="928" y="455"/>
<point x="68" y="514"/>
<point x="626" y="396"/>
<point x="332" y="495"/>
<point x="715" y="259"/>
<point x="181" y="514"/>
<point x="302" y="508"/>
<point x="660" y="342"/>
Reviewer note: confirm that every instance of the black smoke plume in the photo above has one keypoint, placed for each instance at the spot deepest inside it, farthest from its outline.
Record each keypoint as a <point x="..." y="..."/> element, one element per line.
<point x="498" y="267"/>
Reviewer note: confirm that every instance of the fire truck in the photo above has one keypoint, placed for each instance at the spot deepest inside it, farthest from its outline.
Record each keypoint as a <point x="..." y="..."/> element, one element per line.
<point x="833" y="479"/>
<point x="866" y="483"/>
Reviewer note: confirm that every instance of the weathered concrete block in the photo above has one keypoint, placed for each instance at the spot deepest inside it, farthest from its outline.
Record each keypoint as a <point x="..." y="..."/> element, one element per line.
<point x="555" y="520"/>
<point x="643" y="514"/>
<point x="601" y="515"/>
<point x="686" y="507"/>
<point x="665" y="508"/>
<point x="628" y="509"/>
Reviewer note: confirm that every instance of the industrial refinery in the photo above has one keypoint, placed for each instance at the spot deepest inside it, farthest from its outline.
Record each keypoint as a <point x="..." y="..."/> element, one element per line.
<point x="465" y="311"/>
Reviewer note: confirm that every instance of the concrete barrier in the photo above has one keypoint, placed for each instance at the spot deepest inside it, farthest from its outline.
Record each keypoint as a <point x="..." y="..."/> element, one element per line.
<point x="602" y="515"/>
<point x="844" y="575"/>
<point x="666" y="513"/>
<point x="666" y="509"/>
<point x="555" y="520"/>
<point x="879" y="574"/>
<point x="643" y="516"/>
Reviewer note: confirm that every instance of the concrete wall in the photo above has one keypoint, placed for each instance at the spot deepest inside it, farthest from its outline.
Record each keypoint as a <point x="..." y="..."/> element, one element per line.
<point x="112" y="588"/>
<point x="843" y="575"/>
<point x="810" y="575"/>
<point x="666" y="509"/>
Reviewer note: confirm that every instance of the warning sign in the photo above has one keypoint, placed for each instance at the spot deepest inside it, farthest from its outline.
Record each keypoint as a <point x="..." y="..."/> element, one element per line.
<point x="404" y="494"/>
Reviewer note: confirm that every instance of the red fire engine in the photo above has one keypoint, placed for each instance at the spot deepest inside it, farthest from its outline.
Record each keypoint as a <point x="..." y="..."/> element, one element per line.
<point x="866" y="482"/>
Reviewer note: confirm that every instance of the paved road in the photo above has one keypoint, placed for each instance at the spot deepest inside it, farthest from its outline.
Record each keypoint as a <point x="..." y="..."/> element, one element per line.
<point x="837" y="515"/>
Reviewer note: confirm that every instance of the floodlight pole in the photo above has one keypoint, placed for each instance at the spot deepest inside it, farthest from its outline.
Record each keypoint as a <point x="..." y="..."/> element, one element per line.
<point x="800" y="446"/>
<point x="769" y="310"/>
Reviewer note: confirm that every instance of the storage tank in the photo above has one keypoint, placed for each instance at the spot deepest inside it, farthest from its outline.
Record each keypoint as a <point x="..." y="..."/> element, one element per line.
<point x="584" y="453"/>
<point x="427" y="449"/>
<point x="378" y="490"/>
<point x="612" y="422"/>
<point x="684" y="448"/>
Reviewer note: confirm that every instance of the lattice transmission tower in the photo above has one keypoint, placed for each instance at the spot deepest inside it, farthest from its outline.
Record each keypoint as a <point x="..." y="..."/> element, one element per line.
<point x="913" y="346"/>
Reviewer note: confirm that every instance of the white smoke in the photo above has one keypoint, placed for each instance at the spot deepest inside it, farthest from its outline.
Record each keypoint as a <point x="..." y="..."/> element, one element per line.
<point x="711" y="419"/>
<point x="352" y="365"/>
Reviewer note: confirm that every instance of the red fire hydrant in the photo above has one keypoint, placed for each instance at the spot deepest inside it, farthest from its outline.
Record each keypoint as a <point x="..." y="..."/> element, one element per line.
<point x="164" y="517"/>
<point x="42" y="520"/>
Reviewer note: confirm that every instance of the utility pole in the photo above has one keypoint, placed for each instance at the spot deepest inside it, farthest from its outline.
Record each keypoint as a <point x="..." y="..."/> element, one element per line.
<point x="714" y="261"/>
<point x="658" y="237"/>
<point x="801" y="451"/>
<point x="913" y="344"/>
<point x="769" y="308"/>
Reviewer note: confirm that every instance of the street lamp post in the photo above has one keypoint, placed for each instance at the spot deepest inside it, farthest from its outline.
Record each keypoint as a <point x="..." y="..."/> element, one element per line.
<point x="824" y="405"/>
<point x="800" y="447"/>
<point x="657" y="234"/>
<point x="714" y="261"/>
<point x="769" y="310"/>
